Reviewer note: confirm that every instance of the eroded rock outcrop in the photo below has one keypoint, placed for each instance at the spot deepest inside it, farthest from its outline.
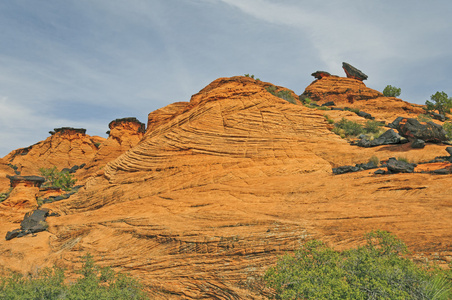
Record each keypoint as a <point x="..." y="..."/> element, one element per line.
<point x="415" y="130"/>
<point x="65" y="148"/>
<point x="123" y="134"/>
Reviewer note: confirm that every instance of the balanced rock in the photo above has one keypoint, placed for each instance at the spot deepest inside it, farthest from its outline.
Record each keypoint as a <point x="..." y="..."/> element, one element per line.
<point x="353" y="72"/>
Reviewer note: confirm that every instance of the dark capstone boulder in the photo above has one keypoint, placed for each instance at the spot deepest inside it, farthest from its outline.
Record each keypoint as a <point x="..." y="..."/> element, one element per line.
<point x="365" y="115"/>
<point x="353" y="72"/>
<point x="397" y="166"/>
<point x="428" y="132"/>
<point x="449" y="150"/>
<point x="345" y="169"/>
<point x="367" y="166"/>
<point x="418" y="144"/>
<point x="329" y="103"/>
<point x="379" y="172"/>
<point x="337" y="108"/>
<point x="320" y="74"/>
<point x="387" y="138"/>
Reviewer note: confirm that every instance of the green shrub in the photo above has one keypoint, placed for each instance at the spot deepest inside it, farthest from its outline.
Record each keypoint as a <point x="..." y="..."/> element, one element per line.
<point x="404" y="159"/>
<point x="374" y="271"/>
<point x="4" y="196"/>
<point x="251" y="76"/>
<point x="57" y="178"/>
<point x="348" y="128"/>
<point x="95" y="283"/>
<point x="355" y="110"/>
<point x="327" y="118"/>
<point x="391" y="91"/>
<point x="440" y="102"/>
<point x="448" y="128"/>
<point x="284" y="94"/>
<point x="372" y="126"/>
<point x="424" y="118"/>
<point x="375" y="160"/>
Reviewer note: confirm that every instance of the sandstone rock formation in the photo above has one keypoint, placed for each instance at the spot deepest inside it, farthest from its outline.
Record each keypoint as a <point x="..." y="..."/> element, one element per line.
<point x="220" y="185"/>
<point x="348" y="92"/>
<point x="353" y="72"/>
<point x="5" y="171"/>
<point x="65" y="148"/>
<point x="123" y="134"/>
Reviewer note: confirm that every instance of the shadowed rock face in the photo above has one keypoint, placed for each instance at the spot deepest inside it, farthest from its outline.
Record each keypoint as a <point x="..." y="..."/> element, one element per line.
<point x="353" y="72"/>
<point x="220" y="185"/>
<point x="320" y="74"/>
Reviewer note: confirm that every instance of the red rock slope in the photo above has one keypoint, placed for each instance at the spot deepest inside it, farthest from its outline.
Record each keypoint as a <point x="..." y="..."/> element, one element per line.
<point x="200" y="207"/>
<point x="65" y="148"/>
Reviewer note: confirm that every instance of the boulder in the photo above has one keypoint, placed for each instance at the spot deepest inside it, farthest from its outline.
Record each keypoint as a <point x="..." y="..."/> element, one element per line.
<point x="365" y="115"/>
<point x="437" y="116"/>
<point x="353" y="72"/>
<point x="329" y="103"/>
<point x="345" y="169"/>
<point x="428" y="132"/>
<point x="449" y="150"/>
<point x="397" y="166"/>
<point x="320" y="74"/>
<point x="379" y="172"/>
<point x="394" y="124"/>
<point x="31" y="181"/>
<point x="33" y="222"/>
<point x="418" y="144"/>
<point x="387" y="138"/>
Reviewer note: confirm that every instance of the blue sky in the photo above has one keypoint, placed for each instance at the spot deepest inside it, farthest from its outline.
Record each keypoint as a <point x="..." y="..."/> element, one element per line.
<point x="83" y="63"/>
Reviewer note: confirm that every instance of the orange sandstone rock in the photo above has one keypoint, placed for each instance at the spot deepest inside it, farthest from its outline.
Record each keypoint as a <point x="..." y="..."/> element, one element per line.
<point x="65" y="148"/>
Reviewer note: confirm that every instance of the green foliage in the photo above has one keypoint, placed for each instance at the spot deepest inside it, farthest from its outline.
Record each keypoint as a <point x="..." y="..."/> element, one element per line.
<point x="374" y="271"/>
<point x="56" y="178"/>
<point x="95" y="283"/>
<point x="348" y="128"/>
<point x="327" y="118"/>
<point x="283" y="94"/>
<point x="375" y="160"/>
<point x="448" y="128"/>
<point x="4" y="196"/>
<point x="404" y="159"/>
<point x="372" y="126"/>
<point x="424" y="118"/>
<point x="355" y="110"/>
<point x="440" y="102"/>
<point x="251" y="76"/>
<point x="391" y="91"/>
<point x="304" y="100"/>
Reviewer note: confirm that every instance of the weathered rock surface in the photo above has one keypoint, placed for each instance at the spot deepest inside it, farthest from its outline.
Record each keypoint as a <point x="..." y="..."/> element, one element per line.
<point x="348" y="92"/>
<point x="5" y="171"/>
<point x="33" y="222"/>
<point x="399" y="166"/>
<point x="123" y="134"/>
<point x="353" y="72"/>
<point x="218" y="186"/>
<point x="387" y="138"/>
<point x="65" y="148"/>
<point x="428" y="132"/>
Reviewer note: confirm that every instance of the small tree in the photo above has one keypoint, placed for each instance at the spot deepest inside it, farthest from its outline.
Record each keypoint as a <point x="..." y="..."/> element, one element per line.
<point x="440" y="102"/>
<point x="391" y="91"/>
<point x="61" y="179"/>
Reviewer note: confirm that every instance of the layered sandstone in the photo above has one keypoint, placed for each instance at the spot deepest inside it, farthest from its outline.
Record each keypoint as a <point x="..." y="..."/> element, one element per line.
<point x="5" y="171"/>
<point x="123" y="134"/>
<point x="65" y="148"/>
<point x="220" y="185"/>
<point x="353" y="93"/>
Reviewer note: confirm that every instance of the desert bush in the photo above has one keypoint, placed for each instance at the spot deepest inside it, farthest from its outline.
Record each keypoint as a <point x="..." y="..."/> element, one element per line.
<point x="327" y="118"/>
<point x="284" y="94"/>
<point x="404" y="159"/>
<point x="348" y="128"/>
<point x="4" y="196"/>
<point x="372" y="126"/>
<point x="391" y="91"/>
<point x="448" y="128"/>
<point x="251" y="76"/>
<point x="375" y="160"/>
<point x="95" y="283"/>
<point x="423" y="118"/>
<point x="377" y="270"/>
<point x="61" y="179"/>
<point x="440" y="102"/>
